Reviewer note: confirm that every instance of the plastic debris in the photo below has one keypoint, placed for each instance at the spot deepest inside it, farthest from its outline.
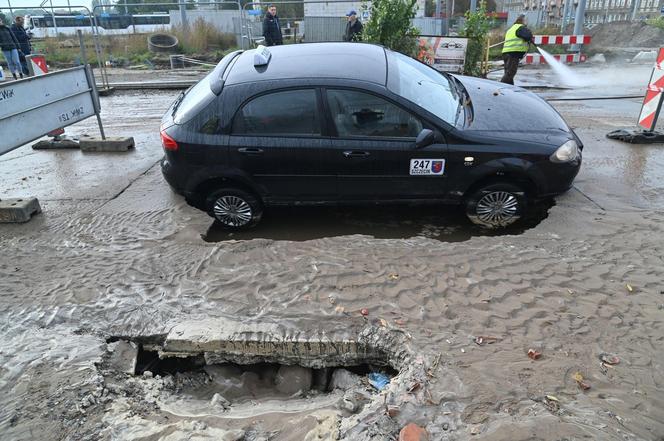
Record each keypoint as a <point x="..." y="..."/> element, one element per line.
<point x="609" y="359"/>
<point x="629" y="288"/>
<point x="483" y="339"/>
<point x="552" y="403"/>
<point x="364" y="312"/>
<point x="393" y="276"/>
<point x="534" y="355"/>
<point x="580" y="381"/>
<point x="378" y="380"/>
<point x="636" y="136"/>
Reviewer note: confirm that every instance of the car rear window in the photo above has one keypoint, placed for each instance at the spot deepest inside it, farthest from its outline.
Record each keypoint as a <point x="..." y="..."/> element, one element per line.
<point x="203" y="92"/>
<point x="195" y="100"/>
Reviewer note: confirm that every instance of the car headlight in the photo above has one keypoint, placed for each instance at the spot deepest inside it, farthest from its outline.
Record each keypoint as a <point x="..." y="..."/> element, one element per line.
<point x="566" y="153"/>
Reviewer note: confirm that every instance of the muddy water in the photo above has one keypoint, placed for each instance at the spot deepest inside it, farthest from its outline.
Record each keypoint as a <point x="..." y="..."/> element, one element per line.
<point x="443" y="223"/>
<point x="584" y="281"/>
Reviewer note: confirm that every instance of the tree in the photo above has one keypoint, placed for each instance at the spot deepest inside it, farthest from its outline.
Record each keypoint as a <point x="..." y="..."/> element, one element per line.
<point x="390" y="25"/>
<point x="476" y="29"/>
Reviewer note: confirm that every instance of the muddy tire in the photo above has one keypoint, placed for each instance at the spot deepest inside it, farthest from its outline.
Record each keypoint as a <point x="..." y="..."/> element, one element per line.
<point x="234" y="209"/>
<point x="496" y="205"/>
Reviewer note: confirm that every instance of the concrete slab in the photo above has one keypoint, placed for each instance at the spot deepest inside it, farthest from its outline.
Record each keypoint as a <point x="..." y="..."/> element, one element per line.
<point x="18" y="210"/>
<point x="110" y="144"/>
<point x="324" y="344"/>
<point x="123" y="356"/>
<point x="54" y="144"/>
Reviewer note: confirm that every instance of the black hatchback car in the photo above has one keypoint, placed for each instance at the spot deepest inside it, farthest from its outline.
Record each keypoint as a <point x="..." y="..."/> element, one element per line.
<point x="332" y="123"/>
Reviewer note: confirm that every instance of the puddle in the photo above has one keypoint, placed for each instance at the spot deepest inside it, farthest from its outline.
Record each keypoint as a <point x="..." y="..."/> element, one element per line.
<point x="443" y="223"/>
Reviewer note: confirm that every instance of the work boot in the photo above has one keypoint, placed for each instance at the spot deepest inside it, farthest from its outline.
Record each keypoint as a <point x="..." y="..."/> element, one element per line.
<point x="21" y="74"/>
<point x="14" y="74"/>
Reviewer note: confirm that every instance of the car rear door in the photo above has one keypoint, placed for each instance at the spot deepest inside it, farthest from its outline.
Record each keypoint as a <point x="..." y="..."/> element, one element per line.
<point x="374" y="150"/>
<point x="276" y="138"/>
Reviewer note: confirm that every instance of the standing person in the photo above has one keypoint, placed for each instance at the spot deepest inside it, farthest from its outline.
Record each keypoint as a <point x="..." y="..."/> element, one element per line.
<point x="517" y="42"/>
<point x="271" y="27"/>
<point x="23" y="39"/>
<point x="353" y="27"/>
<point x="9" y="46"/>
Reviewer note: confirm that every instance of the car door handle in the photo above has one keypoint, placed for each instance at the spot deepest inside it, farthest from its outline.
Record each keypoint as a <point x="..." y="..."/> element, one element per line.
<point x="355" y="154"/>
<point x="250" y="151"/>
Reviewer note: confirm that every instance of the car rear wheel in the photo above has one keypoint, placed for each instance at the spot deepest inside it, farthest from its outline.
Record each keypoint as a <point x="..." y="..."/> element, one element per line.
<point x="496" y="205"/>
<point x="235" y="209"/>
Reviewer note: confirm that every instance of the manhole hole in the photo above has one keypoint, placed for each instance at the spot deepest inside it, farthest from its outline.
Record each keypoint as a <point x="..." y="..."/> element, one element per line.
<point x="237" y="370"/>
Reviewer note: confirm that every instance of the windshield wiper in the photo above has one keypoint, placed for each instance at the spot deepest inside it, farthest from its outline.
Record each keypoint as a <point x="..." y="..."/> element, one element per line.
<point x="177" y="102"/>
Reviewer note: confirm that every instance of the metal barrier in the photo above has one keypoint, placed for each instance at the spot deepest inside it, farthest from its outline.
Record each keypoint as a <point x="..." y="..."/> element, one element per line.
<point x="54" y="100"/>
<point x="95" y="37"/>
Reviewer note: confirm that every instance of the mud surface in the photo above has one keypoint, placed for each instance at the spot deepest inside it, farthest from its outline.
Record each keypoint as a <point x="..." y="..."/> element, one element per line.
<point x="117" y="255"/>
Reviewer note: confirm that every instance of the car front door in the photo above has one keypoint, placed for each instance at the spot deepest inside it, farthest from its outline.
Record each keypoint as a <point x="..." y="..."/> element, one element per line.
<point x="374" y="150"/>
<point x="276" y="139"/>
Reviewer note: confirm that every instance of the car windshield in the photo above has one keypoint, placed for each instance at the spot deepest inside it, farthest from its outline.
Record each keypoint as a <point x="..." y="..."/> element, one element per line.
<point x="423" y="86"/>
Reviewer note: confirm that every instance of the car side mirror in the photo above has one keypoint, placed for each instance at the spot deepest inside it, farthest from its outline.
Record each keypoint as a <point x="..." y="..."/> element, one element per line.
<point x="425" y="138"/>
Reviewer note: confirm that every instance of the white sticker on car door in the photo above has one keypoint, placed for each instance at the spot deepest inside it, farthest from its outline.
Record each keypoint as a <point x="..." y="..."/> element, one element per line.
<point x="427" y="166"/>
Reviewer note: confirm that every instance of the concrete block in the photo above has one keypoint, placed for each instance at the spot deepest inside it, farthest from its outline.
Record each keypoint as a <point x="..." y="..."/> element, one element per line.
<point x="123" y="356"/>
<point x="226" y="340"/>
<point x="18" y="210"/>
<point x="53" y="144"/>
<point x="110" y="144"/>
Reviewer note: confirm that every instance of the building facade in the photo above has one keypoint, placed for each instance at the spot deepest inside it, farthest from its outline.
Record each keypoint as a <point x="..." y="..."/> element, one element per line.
<point x="550" y="12"/>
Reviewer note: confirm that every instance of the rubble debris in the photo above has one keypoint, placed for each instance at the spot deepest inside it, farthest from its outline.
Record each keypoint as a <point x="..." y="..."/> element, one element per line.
<point x="413" y="432"/>
<point x="609" y="359"/>
<point x="123" y="356"/>
<point x="534" y="355"/>
<point x="580" y="381"/>
<point x="378" y="380"/>
<point x="344" y="379"/>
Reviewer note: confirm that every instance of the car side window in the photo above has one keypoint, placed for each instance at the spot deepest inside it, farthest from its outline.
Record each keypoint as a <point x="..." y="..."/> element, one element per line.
<point x="288" y="112"/>
<point x="363" y="114"/>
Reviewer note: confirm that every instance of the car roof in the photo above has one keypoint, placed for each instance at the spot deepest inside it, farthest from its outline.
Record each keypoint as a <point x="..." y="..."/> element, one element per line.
<point x="356" y="61"/>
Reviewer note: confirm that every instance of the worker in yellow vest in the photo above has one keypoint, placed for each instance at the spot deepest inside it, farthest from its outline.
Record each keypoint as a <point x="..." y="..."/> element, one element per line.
<point x="517" y="42"/>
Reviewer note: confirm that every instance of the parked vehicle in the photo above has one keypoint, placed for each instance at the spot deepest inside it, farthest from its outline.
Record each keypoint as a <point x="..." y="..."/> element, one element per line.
<point x="42" y="26"/>
<point x="353" y="123"/>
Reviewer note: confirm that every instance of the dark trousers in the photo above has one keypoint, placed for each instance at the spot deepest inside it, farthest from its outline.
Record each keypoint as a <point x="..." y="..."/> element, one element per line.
<point x="511" y="65"/>
<point x="24" y="63"/>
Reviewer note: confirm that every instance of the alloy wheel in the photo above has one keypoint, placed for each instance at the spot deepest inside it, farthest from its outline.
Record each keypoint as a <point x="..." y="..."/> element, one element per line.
<point x="232" y="211"/>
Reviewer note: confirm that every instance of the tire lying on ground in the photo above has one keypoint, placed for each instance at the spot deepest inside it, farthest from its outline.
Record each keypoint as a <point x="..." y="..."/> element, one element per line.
<point x="162" y="43"/>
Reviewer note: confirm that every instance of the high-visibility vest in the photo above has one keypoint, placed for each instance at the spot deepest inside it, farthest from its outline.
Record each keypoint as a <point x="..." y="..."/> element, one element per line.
<point x="514" y="43"/>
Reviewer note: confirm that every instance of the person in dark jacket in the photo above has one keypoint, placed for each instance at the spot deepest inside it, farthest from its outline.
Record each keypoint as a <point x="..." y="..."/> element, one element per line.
<point x="23" y="42"/>
<point x="516" y="44"/>
<point x="9" y="46"/>
<point x="353" y="27"/>
<point x="271" y="27"/>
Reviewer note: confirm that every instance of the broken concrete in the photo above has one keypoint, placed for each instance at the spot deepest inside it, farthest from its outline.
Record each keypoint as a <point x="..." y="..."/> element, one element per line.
<point x="18" y="210"/>
<point x="227" y="340"/>
<point x="344" y="379"/>
<point x="110" y="144"/>
<point x="123" y="356"/>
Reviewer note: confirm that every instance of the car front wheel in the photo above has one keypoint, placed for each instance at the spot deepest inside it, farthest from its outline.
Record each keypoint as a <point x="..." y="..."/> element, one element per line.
<point x="496" y="205"/>
<point x="235" y="209"/>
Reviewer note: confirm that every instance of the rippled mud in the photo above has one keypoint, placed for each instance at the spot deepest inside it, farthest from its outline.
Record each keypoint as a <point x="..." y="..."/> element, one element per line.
<point x="453" y="310"/>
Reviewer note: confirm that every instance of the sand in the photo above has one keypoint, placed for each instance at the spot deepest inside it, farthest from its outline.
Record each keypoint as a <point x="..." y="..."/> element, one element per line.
<point x="585" y="281"/>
